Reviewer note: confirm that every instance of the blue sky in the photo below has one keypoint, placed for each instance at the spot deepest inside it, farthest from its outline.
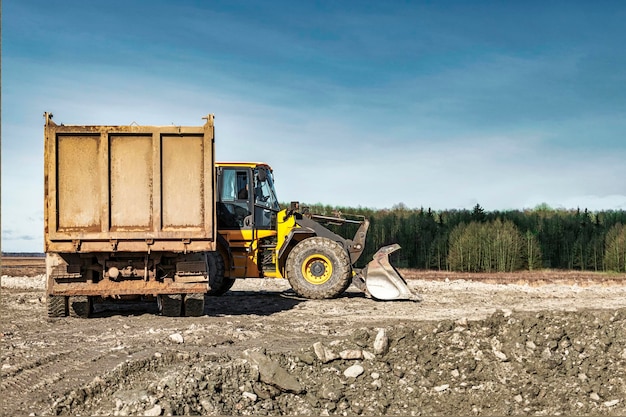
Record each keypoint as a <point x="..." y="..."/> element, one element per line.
<point x="436" y="104"/>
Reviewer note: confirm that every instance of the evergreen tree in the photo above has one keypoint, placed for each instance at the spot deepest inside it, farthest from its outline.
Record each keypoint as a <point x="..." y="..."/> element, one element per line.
<point x="478" y="213"/>
<point x="562" y="239"/>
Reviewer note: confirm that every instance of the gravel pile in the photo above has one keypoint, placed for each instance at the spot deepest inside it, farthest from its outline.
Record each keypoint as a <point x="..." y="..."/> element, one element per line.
<point x="544" y="363"/>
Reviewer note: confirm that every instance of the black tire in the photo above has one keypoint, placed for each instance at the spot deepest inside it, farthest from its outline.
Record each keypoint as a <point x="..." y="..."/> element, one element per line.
<point x="194" y="305"/>
<point x="80" y="306"/>
<point x="219" y="283"/>
<point x="318" y="268"/>
<point x="170" y="305"/>
<point x="57" y="306"/>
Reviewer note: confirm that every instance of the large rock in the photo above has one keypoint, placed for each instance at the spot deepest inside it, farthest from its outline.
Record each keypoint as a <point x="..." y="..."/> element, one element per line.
<point x="324" y="353"/>
<point x="272" y="373"/>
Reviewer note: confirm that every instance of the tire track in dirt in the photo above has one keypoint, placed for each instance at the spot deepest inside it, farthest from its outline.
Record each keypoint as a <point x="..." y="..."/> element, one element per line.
<point x="53" y="373"/>
<point x="33" y="384"/>
<point x="47" y="362"/>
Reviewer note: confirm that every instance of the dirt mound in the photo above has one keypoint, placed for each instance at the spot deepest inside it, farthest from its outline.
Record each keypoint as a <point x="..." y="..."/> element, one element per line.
<point x="508" y="363"/>
<point x="260" y="350"/>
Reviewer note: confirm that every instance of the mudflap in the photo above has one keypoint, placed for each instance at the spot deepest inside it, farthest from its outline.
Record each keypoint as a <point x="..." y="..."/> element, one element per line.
<point x="381" y="280"/>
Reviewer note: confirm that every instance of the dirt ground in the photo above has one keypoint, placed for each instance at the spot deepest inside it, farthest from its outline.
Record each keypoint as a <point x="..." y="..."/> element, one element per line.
<point x="547" y="344"/>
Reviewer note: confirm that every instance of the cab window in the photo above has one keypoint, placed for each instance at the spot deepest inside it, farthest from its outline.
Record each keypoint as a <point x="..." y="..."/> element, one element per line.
<point x="234" y="206"/>
<point x="265" y="201"/>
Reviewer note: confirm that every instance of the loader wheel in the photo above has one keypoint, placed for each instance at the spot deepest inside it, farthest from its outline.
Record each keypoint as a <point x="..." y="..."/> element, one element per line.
<point x="217" y="281"/>
<point x="318" y="267"/>
<point x="57" y="306"/>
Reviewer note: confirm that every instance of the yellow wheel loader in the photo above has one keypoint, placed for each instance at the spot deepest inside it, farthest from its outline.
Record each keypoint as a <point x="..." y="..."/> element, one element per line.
<point x="259" y="239"/>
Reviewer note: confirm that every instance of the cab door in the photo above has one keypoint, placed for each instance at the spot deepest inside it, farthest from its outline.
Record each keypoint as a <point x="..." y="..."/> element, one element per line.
<point x="266" y="210"/>
<point x="235" y="220"/>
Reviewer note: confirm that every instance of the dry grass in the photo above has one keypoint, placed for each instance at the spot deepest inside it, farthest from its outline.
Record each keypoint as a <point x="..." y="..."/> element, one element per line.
<point x="545" y="276"/>
<point x="33" y="266"/>
<point x="14" y="266"/>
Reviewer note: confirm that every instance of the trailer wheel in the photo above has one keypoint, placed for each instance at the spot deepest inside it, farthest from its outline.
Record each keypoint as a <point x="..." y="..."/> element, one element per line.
<point x="219" y="283"/>
<point x="57" y="306"/>
<point x="80" y="306"/>
<point x="170" y="305"/>
<point x="194" y="305"/>
<point x="318" y="267"/>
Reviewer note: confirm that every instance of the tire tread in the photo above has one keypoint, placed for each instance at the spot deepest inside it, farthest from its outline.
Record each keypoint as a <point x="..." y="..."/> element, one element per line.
<point x="340" y="280"/>
<point x="171" y="305"/>
<point x="57" y="306"/>
<point x="80" y="306"/>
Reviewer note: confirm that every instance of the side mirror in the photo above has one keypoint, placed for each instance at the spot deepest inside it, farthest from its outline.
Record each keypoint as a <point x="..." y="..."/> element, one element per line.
<point x="262" y="175"/>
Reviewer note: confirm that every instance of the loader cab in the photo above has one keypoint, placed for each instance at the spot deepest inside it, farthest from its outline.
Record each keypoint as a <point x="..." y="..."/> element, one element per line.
<point x="246" y="197"/>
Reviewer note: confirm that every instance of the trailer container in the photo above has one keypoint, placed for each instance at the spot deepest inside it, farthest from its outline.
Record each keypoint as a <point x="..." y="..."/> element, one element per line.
<point x="129" y="211"/>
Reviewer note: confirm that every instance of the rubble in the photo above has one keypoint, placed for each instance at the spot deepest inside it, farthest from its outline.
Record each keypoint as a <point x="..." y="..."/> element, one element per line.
<point x="425" y="366"/>
<point x="467" y="349"/>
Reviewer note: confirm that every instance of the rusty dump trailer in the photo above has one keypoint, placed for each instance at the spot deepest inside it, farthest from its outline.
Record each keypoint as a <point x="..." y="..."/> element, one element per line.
<point x="129" y="211"/>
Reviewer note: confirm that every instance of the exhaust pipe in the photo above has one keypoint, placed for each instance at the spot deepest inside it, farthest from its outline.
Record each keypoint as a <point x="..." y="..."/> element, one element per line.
<point x="382" y="281"/>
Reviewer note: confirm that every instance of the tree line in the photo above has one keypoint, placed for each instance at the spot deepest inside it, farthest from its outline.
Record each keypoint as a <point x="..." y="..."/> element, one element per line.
<point x="497" y="241"/>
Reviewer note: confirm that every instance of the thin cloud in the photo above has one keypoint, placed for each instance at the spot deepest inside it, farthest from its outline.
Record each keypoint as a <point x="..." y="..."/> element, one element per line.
<point x="431" y="105"/>
<point x="11" y="235"/>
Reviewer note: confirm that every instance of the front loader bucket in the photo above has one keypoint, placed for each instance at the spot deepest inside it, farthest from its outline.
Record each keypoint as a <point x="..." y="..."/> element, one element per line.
<point x="383" y="281"/>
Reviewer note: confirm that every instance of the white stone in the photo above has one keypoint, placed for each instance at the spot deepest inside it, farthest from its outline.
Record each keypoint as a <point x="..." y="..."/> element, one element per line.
<point x="249" y="395"/>
<point x="375" y="375"/>
<point x="500" y="355"/>
<point x="323" y="353"/>
<point x="381" y="343"/>
<point x="154" y="411"/>
<point x="318" y="348"/>
<point x="441" y="388"/>
<point x="368" y="355"/>
<point x="594" y="396"/>
<point x="455" y="373"/>
<point x="351" y="354"/>
<point x="611" y="403"/>
<point x="354" y="371"/>
<point x="177" y="338"/>
<point x="518" y="398"/>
